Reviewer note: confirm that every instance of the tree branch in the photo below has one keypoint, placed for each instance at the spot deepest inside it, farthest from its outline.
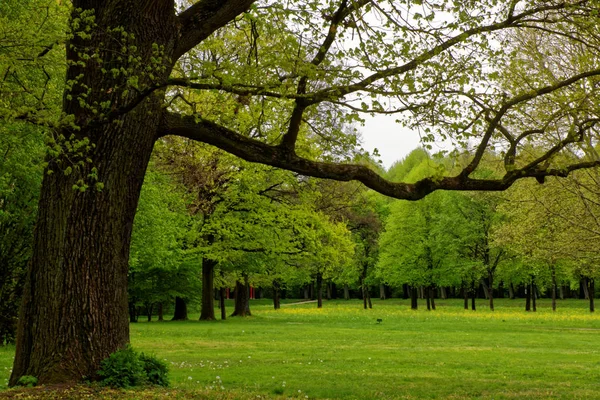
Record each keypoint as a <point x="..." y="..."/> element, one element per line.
<point x="203" y="18"/>
<point x="255" y="151"/>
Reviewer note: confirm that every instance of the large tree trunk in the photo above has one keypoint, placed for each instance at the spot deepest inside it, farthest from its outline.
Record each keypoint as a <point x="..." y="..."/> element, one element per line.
<point x="207" y="310"/>
<point x="511" y="291"/>
<point x="74" y="307"/>
<point x="180" y="313"/>
<point x="242" y="299"/>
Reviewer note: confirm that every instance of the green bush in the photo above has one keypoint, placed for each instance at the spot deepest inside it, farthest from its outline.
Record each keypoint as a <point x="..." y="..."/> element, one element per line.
<point x="123" y="369"/>
<point x="126" y="368"/>
<point x="27" y="381"/>
<point x="156" y="370"/>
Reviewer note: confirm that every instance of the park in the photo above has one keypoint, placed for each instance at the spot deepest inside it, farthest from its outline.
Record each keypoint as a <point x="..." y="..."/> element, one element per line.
<point x="192" y="202"/>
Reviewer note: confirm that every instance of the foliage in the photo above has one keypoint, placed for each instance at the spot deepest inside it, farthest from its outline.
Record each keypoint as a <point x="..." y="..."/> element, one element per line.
<point x="27" y="381"/>
<point x="156" y="370"/>
<point x="122" y="369"/>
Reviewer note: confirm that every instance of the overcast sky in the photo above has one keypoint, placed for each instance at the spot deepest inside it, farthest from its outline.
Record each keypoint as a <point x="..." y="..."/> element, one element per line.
<point x="392" y="140"/>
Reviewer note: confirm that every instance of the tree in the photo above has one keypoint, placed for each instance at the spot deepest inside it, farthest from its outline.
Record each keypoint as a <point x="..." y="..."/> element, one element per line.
<point x="120" y="58"/>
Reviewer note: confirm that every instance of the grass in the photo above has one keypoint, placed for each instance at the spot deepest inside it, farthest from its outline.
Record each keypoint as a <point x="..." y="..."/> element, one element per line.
<point x="342" y="352"/>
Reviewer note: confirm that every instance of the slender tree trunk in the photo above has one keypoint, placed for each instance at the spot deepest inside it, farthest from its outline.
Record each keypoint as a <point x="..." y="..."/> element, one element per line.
<point x="149" y="309"/>
<point x="160" y="312"/>
<point x="369" y="299"/>
<point x="319" y="290"/>
<point x="427" y="299"/>
<point x="466" y="296"/>
<point x="486" y="289"/>
<point x="553" y="270"/>
<point x="276" y="294"/>
<point x="222" y="303"/>
<point x="132" y="312"/>
<point x="242" y="299"/>
<point x="432" y="296"/>
<point x="584" y="287"/>
<point x="561" y="292"/>
<point x="306" y="293"/>
<point x="528" y="297"/>
<point x="207" y="310"/>
<point x="491" y="288"/>
<point x="413" y="298"/>
<point x="473" y="295"/>
<point x="346" y="292"/>
<point x="180" y="313"/>
<point x="382" y="292"/>
<point x="511" y="291"/>
<point x="533" y="294"/>
<point x="328" y="290"/>
<point x="592" y="292"/>
<point x="443" y="293"/>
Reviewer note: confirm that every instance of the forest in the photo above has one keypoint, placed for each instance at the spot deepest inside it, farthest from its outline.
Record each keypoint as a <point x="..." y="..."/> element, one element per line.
<point x="160" y="155"/>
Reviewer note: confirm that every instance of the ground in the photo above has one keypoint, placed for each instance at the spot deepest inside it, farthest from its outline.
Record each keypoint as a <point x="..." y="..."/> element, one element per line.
<point x="343" y="352"/>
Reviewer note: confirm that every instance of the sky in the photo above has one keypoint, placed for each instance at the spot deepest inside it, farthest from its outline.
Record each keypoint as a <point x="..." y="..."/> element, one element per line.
<point x="392" y="140"/>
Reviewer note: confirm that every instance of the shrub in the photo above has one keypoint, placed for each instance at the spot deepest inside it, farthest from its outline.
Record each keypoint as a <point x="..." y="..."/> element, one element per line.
<point x="27" y="381"/>
<point x="156" y="370"/>
<point x="123" y="369"/>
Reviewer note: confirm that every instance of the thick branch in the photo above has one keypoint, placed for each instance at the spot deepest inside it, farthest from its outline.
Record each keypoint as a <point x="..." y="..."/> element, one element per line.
<point x="203" y="18"/>
<point x="255" y="151"/>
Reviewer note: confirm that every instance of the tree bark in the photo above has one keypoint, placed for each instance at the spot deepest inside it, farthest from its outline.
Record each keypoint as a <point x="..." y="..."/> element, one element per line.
<point x="319" y="290"/>
<point x="432" y="296"/>
<point x="74" y="307"/>
<point x="592" y="292"/>
<point x="584" y="287"/>
<point x="132" y="312"/>
<point x="207" y="310"/>
<point x="528" y="297"/>
<point x="276" y="294"/>
<point x="466" y="296"/>
<point x="413" y="298"/>
<point x="533" y="294"/>
<point x="382" y="291"/>
<point x="222" y="296"/>
<point x="511" y="291"/>
<point x="346" y="292"/>
<point x="160" y="312"/>
<point x="473" y="295"/>
<point x="491" y="288"/>
<point x="149" y="310"/>
<point x="180" y="313"/>
<point x="242" y="299"/>
<point x="553" y="271"/>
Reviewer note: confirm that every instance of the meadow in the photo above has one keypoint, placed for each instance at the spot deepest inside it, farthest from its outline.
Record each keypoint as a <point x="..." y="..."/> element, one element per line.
<point x="342" y="352"/>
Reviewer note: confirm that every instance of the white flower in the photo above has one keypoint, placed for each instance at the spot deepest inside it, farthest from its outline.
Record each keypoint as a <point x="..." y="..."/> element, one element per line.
<point x="189" y="378"/>
<point x="299" y="391"/>
<point x="222" y="387"/>
<point x="218" y="377"/>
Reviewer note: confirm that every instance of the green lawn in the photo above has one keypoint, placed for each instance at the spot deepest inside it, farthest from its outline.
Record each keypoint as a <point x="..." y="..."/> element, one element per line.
<point x="342" y="352"/>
